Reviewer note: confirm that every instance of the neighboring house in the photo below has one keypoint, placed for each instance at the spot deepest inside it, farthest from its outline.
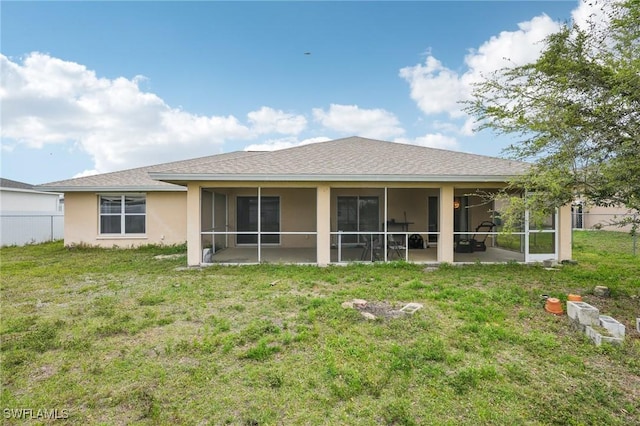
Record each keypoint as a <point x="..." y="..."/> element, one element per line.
<point x="28" y="215"/>
<point x="343" y="200"/>
<point x="587" y="216"/>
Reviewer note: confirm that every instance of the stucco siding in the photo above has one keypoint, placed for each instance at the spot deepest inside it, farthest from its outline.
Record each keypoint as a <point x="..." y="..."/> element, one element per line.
<point x="166" y="221"/>
<point x="298" y="214"/>
<point x="600" y="217"/>
<point x="409" y="204"/>
<point x="81" y="218"/>
<point x="166" y="217"/>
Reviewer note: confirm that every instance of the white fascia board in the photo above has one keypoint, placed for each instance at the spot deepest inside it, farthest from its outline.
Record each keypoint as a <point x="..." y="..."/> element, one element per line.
<point x="30" y="191"/>
<point x="170" y="177"/>
<point x="132" y="188"/>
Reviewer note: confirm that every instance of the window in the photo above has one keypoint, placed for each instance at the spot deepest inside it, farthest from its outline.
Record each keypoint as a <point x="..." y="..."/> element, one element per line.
<point x="122" y="214"/>
<point x="247" y="215"/>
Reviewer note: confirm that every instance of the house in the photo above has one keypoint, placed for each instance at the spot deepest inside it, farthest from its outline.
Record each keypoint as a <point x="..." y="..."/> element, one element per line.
<point x="351" y="199"/>
<point x="28" y="215"/>
<point x="589" y="216"/>
<point x="19" y="196"/>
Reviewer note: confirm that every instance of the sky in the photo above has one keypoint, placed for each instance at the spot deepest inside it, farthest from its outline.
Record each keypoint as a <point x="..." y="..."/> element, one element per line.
<point x="96" y="87"/>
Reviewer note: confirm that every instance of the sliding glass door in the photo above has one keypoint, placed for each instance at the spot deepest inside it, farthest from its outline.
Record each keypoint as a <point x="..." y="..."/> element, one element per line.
<point x="247" y="219"/>
<point x="357" y="214"/>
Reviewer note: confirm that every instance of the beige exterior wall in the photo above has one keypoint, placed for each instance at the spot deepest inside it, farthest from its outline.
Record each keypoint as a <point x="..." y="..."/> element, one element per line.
<point x="166" y="220"/>
<point x="563" y="228"/>
<point x="323" y="224"/>
<point x="445" y="239"/>
<point x="193" y="219"/>
<point x="411" y="203"/>
<point x="598" y="217"/>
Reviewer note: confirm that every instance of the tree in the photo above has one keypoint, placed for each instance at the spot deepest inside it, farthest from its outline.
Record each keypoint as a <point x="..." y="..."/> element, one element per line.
<point x="575" y="113"/>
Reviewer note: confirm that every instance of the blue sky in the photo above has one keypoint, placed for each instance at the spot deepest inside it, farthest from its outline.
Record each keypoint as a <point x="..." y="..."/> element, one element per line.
<point x="93" y="87"/>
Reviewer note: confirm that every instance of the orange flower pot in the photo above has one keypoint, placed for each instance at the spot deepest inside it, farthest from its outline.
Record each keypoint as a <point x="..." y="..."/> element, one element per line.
<point x="553" y="306"/>
<point x="574" y="298"/>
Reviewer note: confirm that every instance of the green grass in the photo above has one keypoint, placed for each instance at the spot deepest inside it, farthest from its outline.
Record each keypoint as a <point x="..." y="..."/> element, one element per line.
<point x="538" y="242"/>
<point x="118" y="337"/>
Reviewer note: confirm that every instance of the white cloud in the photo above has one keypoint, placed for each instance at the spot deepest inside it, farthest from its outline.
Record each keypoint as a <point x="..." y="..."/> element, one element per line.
<point x="438" y="89"/>
<point x="268" y="120"/>
<point x="433" y="140"/>
<point x="352" y="120"/>
<point x="275" y="144"/>
<point x="592" y="13"/>
<point x="85" y="173"/>
<point x="48" y="100"/>
<point x="511" y="48"/>
<point x="466" y="129"/>
<point x="434" y="88"/>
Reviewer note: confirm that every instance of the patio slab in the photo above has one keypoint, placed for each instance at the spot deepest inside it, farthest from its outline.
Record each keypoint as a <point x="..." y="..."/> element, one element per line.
<point x="234" y="255"/>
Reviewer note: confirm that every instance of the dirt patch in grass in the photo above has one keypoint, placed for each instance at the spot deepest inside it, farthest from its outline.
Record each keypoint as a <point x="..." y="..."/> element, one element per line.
<point x="43" y="373"/>
<point x="385" y="310"/>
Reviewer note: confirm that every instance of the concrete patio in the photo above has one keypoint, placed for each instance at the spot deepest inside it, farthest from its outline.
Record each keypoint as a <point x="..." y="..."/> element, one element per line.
<point x="241" y="255"/>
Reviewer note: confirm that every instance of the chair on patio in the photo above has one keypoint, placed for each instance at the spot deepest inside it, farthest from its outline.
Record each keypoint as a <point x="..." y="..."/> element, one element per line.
<point x="372" y="248"/>
<point x="395" y="244"/>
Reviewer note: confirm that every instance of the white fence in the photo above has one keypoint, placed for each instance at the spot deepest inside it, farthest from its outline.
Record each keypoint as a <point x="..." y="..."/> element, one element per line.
<point x="18" y="228"/>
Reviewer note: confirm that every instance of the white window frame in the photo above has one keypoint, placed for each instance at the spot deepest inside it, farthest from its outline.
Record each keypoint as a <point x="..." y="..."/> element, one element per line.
<point x="122" y="215"/>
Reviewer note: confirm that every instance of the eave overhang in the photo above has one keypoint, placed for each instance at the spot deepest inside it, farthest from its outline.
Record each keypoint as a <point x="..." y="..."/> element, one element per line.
<point x="182" y="178"/>
<point x="127" y="188"/>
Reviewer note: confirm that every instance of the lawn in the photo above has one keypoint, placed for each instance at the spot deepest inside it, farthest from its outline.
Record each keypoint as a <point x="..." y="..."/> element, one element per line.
<point x="100" y="336"/>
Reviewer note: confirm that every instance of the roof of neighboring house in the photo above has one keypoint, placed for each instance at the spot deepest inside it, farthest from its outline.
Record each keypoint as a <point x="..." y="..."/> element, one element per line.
<point x="14" y="184"/>
<point x="348" y="159"/>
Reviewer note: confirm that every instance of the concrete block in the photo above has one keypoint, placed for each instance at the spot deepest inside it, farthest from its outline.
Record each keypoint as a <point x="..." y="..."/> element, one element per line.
<point x="613" y="326"/>
<point x="638" y="324"/>
<point x="599" y="339"/>
<point x="207" y="256"/>
<point x="583" y="313"/>
<point x="601" y="291"/>
<point x="411" y="308"/>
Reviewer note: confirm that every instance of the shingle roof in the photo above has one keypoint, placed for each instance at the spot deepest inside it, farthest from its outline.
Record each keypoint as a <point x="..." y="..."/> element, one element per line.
<point x="132" y="179"/>
<point x="14" y="184"/>
<point x="349" y="159"/>
<point x="345" y="159"/>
